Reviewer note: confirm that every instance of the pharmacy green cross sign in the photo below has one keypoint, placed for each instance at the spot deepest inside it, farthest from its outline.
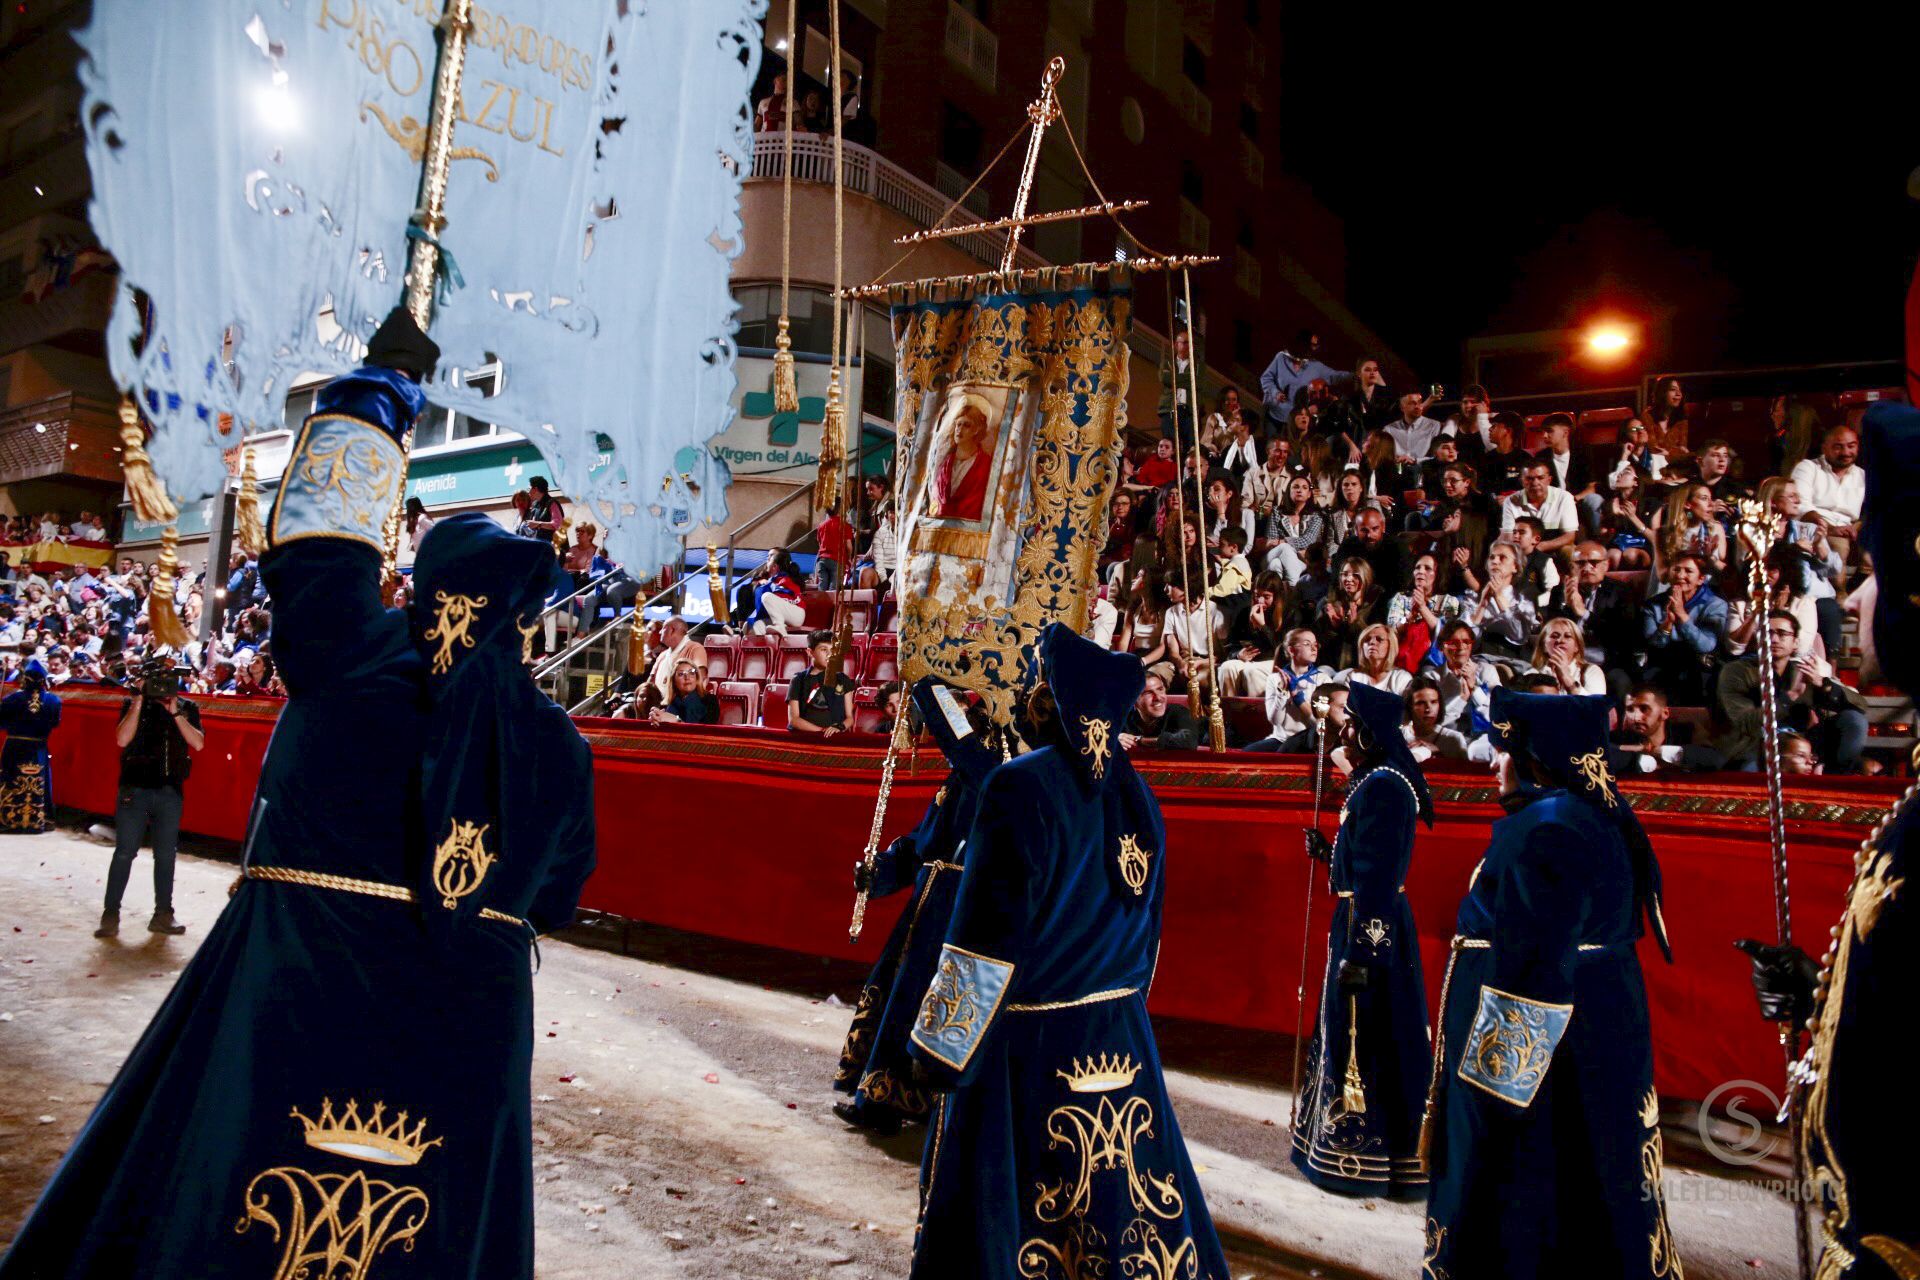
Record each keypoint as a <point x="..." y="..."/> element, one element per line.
<point x="782" y="428"/>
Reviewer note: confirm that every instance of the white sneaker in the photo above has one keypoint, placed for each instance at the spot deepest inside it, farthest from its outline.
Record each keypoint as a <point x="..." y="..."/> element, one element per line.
<point x="759" y="628"/>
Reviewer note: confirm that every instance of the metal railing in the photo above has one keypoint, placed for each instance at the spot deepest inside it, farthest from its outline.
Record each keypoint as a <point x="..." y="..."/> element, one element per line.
<point x="599" y="650"/>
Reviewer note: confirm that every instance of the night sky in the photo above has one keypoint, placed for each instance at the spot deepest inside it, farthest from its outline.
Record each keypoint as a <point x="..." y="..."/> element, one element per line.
<point x="1507" y="168"/>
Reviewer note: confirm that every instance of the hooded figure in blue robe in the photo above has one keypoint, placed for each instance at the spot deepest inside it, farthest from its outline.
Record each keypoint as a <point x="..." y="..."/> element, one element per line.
<point x="1356" y="1128"/>
<point x="28" y="716"/>
<point x="338" y="1083"/>
<point x="1053" y="1152"/>
<point x="1859" y="1148"/>
<point x="1543" y="1124"/>
<point x="874" y="1066"/>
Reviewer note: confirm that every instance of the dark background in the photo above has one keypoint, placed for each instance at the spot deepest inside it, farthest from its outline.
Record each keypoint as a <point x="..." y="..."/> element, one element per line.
<point x="1736" y="176"/>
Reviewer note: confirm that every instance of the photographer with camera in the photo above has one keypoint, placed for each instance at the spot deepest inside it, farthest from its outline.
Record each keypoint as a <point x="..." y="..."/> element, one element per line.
<point x="158" y="733"/>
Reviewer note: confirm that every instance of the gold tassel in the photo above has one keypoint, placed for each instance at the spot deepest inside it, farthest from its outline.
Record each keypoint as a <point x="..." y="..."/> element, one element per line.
<point x="637" y="647"/>
<point x="717" y="589"/>
<point x="786" y="383"/>
<point x="842" y="642"/>
<point x="1353" y="1091"/>
<point x="246" y="511"/>
<point x="147" y="495"/>
<point x="161" y="614"/>
<point x="833" y="452"/>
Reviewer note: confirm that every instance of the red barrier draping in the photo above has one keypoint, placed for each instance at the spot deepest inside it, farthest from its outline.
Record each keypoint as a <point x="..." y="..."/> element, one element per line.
<point x="752" y="834"/>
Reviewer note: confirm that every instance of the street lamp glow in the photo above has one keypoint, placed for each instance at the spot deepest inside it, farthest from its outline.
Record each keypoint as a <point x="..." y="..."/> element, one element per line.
<point x="276" y="108"/>
<point x="1608" y="340"/>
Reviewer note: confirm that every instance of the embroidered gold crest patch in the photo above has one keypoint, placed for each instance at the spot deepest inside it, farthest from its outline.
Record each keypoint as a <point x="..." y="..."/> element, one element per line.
<point x="1097" y="748"/>
<point x="461" y="862"/>
<point x="453" y="625"/>
<point x="1593" y="767"/>
<point x="1134" y="864"/>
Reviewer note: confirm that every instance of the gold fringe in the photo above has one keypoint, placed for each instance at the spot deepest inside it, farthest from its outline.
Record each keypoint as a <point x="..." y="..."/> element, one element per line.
<point x="1353" y="1091"/>
<point x="786" y="382"/>
<point x="168" y="629"/>
<point x="246" y="511"/>
<point x="833" y="452"/>
<point x="144" y="489"/>
<point x="717" y="589"/>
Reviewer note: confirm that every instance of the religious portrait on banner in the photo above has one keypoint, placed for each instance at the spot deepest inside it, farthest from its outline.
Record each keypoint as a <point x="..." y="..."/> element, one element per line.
<point x="966" y="451"/>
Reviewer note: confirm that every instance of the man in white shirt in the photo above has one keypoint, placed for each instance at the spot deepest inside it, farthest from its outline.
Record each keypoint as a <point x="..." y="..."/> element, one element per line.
<point x="1193" y="627"/>
<point x="1832" y="488"/>
<point x="1413" y="434"/>
<point x="677" y="648"/>
<point x="1539" y="498"/>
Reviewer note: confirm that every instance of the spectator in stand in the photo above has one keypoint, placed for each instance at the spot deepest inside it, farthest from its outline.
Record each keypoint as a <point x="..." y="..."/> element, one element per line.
<point x="419" y="523"/>
<point x="1254" y="639"/>
<point x="1155" y="720"/>
<point x="779" y="603"/>
<point x="1797" y="758"/>
<point x="257" y="678"/>
<point x="1286" y="378"/>
<point x="1143" y="634"/>
<point x="1388" y="479"/>
<point x="1417" y="614"/>
<point x="1353" y="605"/>
<point x="1500" y="612"/>
<point x="1368" y="399"/>
<point x="1502" y="466"/>
<point x="834" y="539"/>
<point x="1103" y="620"/>
<point x="1715" y="461"/>
<point x="1561" y="652"/>
<point x="1159" y="471"/>
<point x="1568" y="470"/>
<point x="1638" y="454"/>
<point x="1823" y="568"/>
<point x="1626" y="538"/>
<point x="878" y="563"/>
<point x="812" y="110"/>
<point x="1553" y="507"/>
<point x="676" y="646"/>
<point x="1459" y="524"/>
<point x="770" y="115"/>
<point x="816" y="702"/>
<point x="1387" y="557"/>
<point x="1264" y="488"/>
<point x="1681" y="630"/>
<point x="1232" y="575"/>
<point x="546" y="514"/>
<point x="1424" y="733"/>
<point x="1832" y="488"/>
<point x="1687" y="526"/>
<point x="1224" y="510"/>
<point x="1472" y="426"/>
<point x="1175" y="381"/>
<point x="1539" y="570"/>
<point x="1239" y="449"/>
<point x="1192" y="627"/>
<point x="876" y="495"/>
<point x="1121" y="528"/>
<point x="1811" y="702"/>
<point x="891" y="696"/>
<point x="1376" y="662"/>
<point x="1666" y="420"/>
<point x="1295" y="525"/>
<point x="1643" y="740"/>
<point x="1216" y="432"/>
<point x="687" y="700"/>
<point x="1443" y="453"/>
<point x="1608" y="616"/>
<point x="1290" y="692"/>
<point x="1412" y="432"/>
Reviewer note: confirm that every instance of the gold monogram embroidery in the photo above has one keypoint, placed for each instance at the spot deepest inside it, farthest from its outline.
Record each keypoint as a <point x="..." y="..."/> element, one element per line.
<point x="1436" y="1241"/>
<point x="1374" y="931"/>
<point x="1097" y="747"/>
<point x="1593" y="767"/>
<point x="1151" y="1259"/>
<point x="328" y="465"/>
<point x="1134" y="864"/>
<point x="461" y="862"/>
<point x="23" y="802"/>
<point x="528" y="630"/>
<point x="949" y="1006"/>
<point x="1665" y="1261"/>
<point x="1080" y="1256"/>
<point x="452" y="625"/>
<point x="337" y="1224"/>
<point x="1104" y="1140"/>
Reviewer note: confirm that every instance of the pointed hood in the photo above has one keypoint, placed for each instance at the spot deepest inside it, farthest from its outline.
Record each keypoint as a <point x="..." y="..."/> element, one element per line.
<point x="963" y="743"/>
<point x="1379" y="714"/>
<point x="1567" y="738"/>
<point x="1093" y="689"/>
<point x="1890" y="533"/>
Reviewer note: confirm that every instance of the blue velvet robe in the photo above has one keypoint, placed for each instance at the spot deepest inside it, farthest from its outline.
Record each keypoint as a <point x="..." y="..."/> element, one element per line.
<point x="28" y="717"/>
<point x="1545" y="1152"/>
<point x="874" y="1066"/>
<point x="325" y="1042"/>
<point x="1382" y="1027"/>
<point x="1053" y="1152"/>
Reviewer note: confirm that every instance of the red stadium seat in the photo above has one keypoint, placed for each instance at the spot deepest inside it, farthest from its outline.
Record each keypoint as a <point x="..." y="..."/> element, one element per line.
<point x="856" y="661"/>
<point x="861" y="609"/>
<point x="883" y="658"/>
<point x="866" y="710"/>
<point x="723" y="655"/>
<point x="819" y="609"/>
<point x="754" y="659"/>
<point x="789" y="659"/>
<point x="773" y="707"/>
<point x="739" y="702"/>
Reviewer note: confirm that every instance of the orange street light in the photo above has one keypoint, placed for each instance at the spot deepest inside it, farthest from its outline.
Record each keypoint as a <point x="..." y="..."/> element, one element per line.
<point x="1608" y="341"/>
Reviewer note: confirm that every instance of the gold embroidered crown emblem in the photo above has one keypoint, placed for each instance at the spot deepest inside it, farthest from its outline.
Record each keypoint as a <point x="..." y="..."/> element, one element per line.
<point x="1134" y="864"/>
<point x="373" y="1139"/>
<point x="1102" y="1073"/>
<point x="461" y="862"/>
<point x="1096" y="747"/>
<point x="1593" y="767"/>
<point x="452" y="625"/>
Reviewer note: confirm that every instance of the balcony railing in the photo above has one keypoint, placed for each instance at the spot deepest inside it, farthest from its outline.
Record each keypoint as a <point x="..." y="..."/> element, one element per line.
<point x="868" y="174"/>
<point x="64" y="435"/>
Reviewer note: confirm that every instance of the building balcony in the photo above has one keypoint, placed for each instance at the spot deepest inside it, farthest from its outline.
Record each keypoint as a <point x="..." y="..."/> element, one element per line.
<point x="84" y="306"/>
<point x="870" y="177"/>
<point x="65" y="436"/>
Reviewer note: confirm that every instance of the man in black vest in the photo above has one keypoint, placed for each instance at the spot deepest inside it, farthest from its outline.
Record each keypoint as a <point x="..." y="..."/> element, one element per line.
<point x="158" y="733"/>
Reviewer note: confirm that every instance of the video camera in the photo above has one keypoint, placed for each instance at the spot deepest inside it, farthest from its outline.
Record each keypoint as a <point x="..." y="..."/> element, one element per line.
<point x="159" y="679"/>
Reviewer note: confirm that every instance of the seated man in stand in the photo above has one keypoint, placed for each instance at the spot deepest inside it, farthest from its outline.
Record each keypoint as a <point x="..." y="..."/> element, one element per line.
<point x="1154" y="720"/>
<point x="816" y="702"/>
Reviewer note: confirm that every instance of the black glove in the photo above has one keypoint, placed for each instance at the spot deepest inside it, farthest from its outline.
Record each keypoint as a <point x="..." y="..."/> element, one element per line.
<point x="1783" y="980"/>
<point x="1318" y="849"/>
<point x="1351" y="977"/>
<point x="862" y="876"/>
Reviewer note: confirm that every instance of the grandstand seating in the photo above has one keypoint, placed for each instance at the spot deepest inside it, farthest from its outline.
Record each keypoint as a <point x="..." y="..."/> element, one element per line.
<point x="773" y="707"/>
<point x="739" y="701"/>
